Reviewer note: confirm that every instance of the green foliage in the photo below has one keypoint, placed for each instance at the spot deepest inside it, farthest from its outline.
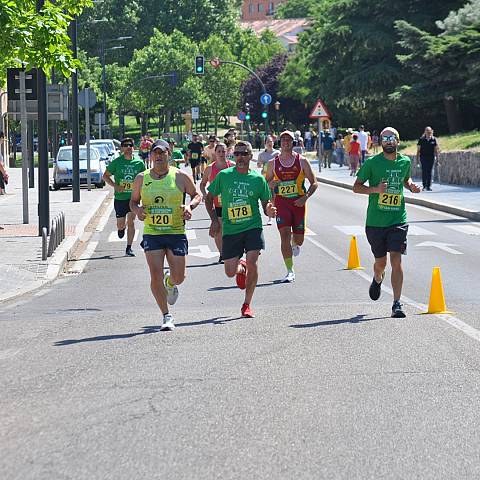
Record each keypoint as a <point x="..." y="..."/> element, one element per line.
<point x="37" y="39"/>
<point x="296" y="9"/>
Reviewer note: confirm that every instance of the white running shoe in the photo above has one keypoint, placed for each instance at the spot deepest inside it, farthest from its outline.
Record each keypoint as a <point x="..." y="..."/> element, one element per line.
<point x="295" y="250"/>
<point x="168" y="322"/>
<point x="172" y="292"/>
<point x="289" y="277"/>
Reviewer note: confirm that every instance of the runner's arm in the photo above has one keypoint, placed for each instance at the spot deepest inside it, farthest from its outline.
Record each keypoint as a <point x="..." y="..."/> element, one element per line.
<point x="359" y="187"/>
<point x="191" y="190"/>
<point x="310" y="176"/>
<point x="268" y="209"/>
<point x="136" y="197"/>
<point x="107" y="177"/>
<point x="411" y="186"/>
<point x="203" y="183"/>
<point x="210" y="207"/>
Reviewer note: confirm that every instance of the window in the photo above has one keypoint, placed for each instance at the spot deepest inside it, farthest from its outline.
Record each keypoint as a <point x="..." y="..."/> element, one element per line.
<point x="260" y="7"/>
<point x="271" y="8"/>
<point x="250" y="8"/>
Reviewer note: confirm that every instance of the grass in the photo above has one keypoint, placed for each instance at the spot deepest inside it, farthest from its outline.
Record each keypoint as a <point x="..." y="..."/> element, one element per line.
<point x="461" y="141"/>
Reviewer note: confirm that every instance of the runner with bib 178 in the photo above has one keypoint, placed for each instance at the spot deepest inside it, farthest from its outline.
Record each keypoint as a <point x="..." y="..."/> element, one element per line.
<point x="241" y="189"/>
<point x="286" y="174"/>
<point x="161" y="191"/>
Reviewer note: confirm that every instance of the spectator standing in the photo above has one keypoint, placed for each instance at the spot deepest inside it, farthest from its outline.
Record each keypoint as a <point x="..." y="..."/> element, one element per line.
<point x="3" y="171"/>
<point x="363" y="139"/>
<point x="340" y="150"/>
<point x="355" y="152"/>
<point x="308" y="140"/>
<point x="427" y="150"/>
<point x="258" y="140"/>
<point x="327" y="144"/>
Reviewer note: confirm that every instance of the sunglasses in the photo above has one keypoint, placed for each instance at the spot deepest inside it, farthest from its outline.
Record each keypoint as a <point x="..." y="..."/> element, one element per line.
<point x="388" y="138"/>
<point x="243" y="154"/>
<point x="126" y="145"/>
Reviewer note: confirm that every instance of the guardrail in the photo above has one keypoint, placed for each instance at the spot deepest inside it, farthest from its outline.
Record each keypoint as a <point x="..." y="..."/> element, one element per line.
<point x="57" y="234"/>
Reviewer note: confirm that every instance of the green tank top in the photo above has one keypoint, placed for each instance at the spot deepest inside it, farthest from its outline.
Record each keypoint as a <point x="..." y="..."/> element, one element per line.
<point x="162" y="200"/>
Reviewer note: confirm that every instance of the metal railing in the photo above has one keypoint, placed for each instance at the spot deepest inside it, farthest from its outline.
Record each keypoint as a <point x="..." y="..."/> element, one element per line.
<point x="57" y="234"/>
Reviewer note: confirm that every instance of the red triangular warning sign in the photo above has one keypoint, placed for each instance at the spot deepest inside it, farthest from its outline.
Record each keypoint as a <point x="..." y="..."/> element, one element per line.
<point x="320" y="110"/>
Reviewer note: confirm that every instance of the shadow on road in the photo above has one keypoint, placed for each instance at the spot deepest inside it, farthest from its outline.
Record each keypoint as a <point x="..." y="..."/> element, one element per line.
<point x="355" y="319"/>
<point x="213" y="321"/>
<point x="231" y="287"/>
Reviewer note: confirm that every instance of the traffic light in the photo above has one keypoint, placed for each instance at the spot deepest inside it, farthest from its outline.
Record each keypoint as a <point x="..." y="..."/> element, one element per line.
<point x="199" y="64"/>
<point x="247" y="117"/>
<point x="264" y="114"/>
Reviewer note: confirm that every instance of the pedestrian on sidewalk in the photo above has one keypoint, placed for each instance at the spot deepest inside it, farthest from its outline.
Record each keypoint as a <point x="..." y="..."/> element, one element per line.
<point x="427" y="151"/>
<point x="340" y="150"/>
<point x="124" y="169"/>
<point x="328" y="144"/>
<point x="386" y="227"/>
<point x="363" y="139"/>
<point x="346" y="145"/>
<point x="354" y="156"/>
<point x="3" y="171"/>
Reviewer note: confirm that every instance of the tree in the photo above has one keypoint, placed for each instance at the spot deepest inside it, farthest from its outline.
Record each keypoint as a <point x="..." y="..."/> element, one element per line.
<point x="351" y="54"/>
<point x="37" y="39"/>
<point x="445" y="67"/>
<point x="296" y="9"/>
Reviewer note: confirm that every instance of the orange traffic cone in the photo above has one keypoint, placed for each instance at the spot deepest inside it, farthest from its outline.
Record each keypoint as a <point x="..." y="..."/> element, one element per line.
<point x="353" y="256"/>
<point x="436" y="304"/>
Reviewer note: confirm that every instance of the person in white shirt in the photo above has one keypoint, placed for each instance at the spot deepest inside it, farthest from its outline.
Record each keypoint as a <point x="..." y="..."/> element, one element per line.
<point x="363" y="139"/>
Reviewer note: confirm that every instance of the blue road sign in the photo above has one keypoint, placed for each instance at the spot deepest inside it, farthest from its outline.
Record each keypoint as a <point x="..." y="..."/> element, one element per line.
<point x="241" y="116"/>
<point x="266" y="99"/>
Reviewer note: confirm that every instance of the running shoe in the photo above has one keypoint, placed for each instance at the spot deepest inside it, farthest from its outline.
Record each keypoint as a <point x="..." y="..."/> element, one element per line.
<point x="376" y="288"/>
<point x="168" y="323"/>
<point x="121" y="233"/>
<point x="241" y="278"/>
<point x="129" y="252"/>
<point x="172" y="292"/>
<point x="397" y="310"/>
<point x="246" y="311"/>
<point x="220" y="259"/>
<point x="289" y="277"/>
<point x="295" y="250"/>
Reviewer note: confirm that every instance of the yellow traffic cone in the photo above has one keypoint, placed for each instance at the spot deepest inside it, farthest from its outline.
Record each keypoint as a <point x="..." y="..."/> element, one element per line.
<point x="436" y="304"/>
<point x="353" y="256"/>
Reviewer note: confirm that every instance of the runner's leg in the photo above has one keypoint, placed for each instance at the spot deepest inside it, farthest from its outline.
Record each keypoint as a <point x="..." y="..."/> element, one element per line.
<point x="130" y="228"/>
<point x="155" y="261"/>
<point x="252" y="274"/>
<point x="178" y="267"/>
<point x="397" y="274"/>
<point x="379" y="267"/>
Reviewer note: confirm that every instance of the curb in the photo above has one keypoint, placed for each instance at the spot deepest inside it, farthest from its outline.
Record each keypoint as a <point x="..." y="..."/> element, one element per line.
<point x="442" y="207"/>
<point x="57" y="261"/>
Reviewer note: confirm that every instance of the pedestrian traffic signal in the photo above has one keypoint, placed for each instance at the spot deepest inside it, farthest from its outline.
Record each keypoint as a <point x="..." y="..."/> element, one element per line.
<point x="247" y="117"/>
<point x="264" y="114"/>
<point x="199" y="64"/>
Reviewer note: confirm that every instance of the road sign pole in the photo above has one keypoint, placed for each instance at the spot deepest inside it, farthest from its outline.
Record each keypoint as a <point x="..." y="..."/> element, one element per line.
<point x="31" y="150"/>
<point x="23" y="113"/>
<point x="319" y="144"/>
<point x="87" y="134"/>
<point x="75" y="120"/>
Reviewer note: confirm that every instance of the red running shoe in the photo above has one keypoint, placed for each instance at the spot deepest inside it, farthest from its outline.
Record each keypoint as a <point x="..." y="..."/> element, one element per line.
<point x="241" y="277"/>
<point x="246" y="311"/>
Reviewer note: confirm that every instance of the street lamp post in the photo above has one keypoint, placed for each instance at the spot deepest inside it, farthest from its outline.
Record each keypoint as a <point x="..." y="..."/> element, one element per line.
<point x="277" y="113"/>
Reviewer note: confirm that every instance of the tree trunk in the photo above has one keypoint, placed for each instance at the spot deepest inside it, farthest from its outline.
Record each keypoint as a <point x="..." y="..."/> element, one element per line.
<point x="454" y="118"/>
<point x="168" y="120"/>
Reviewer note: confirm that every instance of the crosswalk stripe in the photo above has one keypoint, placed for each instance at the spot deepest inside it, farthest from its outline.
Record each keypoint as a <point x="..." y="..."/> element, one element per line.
<point x="467" y="229"/>
<point x="191" y="235"/>
<point x="359" y="230"/>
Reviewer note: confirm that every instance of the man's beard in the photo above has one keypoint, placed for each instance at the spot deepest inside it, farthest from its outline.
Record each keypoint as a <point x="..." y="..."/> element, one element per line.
<point x="389" y="149"/>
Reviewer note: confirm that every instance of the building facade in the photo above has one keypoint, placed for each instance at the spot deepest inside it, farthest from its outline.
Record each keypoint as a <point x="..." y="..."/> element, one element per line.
<point x="259" y="9"/>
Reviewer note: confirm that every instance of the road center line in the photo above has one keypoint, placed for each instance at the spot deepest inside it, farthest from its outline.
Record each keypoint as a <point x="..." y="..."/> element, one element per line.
<point x="450" y="319"/>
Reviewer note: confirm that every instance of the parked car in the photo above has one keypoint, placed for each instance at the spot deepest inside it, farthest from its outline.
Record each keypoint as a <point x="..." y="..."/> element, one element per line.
<point x="109" y="144"/>
<point x="63" y="167"/>
<point x="105" y="153"/>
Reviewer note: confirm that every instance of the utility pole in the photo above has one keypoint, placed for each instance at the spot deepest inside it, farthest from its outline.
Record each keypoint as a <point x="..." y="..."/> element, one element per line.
<point x="23" y="120"/>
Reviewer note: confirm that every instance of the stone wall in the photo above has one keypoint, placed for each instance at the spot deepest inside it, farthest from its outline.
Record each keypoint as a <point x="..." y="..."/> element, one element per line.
<point x="458" y="168"/>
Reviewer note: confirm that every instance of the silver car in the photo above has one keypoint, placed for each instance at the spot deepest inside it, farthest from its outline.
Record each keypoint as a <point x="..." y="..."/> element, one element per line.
<point x="63" y="168"/>
<point x="109" y="145"/>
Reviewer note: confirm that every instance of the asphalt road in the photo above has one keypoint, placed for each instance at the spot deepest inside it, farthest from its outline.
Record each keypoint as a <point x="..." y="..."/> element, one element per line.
<point x="321" y="384"/>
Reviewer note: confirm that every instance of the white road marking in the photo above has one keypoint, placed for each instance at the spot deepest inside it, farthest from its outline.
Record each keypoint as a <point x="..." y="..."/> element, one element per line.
<point x="309" y="232"/>
<point x="79" y="265"/>
<point x="442" y="246"/>
<point x="191" y="235"/>
<point x="450" y="319"/>
<point x="359" y="230"/>
<point x="113" y="237"/>
<point x="467" y="229"/>
<point x="203" y="251"/>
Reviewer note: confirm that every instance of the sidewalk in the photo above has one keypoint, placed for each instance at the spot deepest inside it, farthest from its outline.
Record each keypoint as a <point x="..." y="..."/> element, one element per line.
<point x="454" y="199"/>
<point x="21" y="266"/>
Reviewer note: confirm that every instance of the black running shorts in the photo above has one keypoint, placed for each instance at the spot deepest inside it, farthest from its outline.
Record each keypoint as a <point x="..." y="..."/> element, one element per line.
<point x="235" y="245"/>
<point x="387" y="239"/>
